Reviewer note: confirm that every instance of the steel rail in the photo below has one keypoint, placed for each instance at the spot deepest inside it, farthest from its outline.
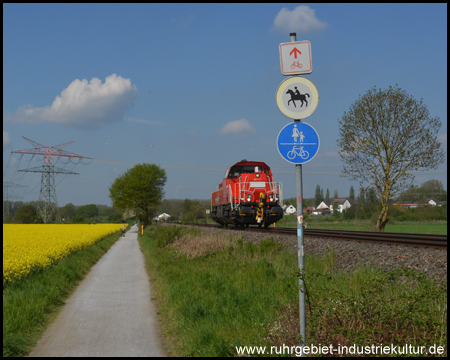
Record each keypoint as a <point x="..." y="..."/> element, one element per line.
<point x="421" y="240"/>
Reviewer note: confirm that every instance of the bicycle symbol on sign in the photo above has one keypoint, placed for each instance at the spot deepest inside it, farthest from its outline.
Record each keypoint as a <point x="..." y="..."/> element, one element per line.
<point x="297" y="151"/>
<point x="296" y="64"/>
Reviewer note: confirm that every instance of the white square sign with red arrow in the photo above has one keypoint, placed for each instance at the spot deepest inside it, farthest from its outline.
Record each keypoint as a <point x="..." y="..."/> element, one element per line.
<point x="295" y="58"/>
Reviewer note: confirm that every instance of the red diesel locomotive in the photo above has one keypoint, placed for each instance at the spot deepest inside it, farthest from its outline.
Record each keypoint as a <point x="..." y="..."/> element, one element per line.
<point x="247" y="195"/>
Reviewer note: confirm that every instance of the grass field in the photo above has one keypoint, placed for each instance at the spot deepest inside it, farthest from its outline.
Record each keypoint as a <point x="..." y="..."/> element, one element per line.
<point x="426" y="227"/>
<point x="216" y="294"/>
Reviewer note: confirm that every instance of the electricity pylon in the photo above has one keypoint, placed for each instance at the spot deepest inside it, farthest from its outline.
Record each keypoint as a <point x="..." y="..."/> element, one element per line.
<point x="48" y="203"/>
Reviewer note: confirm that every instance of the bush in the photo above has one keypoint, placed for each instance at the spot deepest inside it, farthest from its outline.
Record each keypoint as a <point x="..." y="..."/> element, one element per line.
<point x="166" y="235"/>
<point x="421" y="213"/>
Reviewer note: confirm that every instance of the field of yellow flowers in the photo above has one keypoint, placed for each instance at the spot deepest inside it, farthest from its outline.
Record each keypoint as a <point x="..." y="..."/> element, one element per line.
<point x="30" y="247"/>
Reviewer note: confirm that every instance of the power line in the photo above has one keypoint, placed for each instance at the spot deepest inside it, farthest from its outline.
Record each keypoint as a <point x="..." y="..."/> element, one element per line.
<point x="48" y="203"/>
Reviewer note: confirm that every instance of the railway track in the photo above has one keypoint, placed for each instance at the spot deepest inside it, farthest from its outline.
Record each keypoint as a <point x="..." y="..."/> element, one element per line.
<point x="406" y="239"/>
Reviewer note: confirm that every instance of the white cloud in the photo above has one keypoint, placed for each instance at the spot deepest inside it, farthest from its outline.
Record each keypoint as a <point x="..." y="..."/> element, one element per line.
<point x="301" y="19"/>
<point x="142" y="121"/>
<point x="6" y="140"/>
<point x="238" y="128"/>
<point x="83" y="104"/>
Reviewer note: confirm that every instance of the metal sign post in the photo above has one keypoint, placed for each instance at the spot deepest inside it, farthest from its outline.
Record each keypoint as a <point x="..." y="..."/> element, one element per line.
<point x="298" y="142"/>
<point x="300" y="241"/>
<point x="301" y="253"/>
<point x="300" y="238"/>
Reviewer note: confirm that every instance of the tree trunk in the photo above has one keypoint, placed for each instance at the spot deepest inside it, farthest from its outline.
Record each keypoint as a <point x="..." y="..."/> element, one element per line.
<point x="383" y="217"/>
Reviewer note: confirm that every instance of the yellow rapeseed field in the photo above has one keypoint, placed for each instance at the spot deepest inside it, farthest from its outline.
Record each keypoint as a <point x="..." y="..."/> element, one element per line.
<point x="28" y="247"/>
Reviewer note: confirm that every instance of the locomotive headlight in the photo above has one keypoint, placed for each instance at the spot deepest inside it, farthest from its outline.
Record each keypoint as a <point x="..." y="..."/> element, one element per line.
<point x="249" y="197"/>
<point x="270" y="197"/>
<point x="257" y="175"/>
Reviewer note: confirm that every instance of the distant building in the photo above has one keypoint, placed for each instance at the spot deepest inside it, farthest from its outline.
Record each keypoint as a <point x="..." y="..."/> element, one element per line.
<point x="411" y="204"/>
<point x="327" y="208"/>
<point x="342" y="204"/>
<point x="323" y="205"/>
<point x="290" y="210"/>
<point x="434" y="202"/>
<point x="162" y="216"/>
<point x="324" y="211"/>
<point x="308" y="210"/>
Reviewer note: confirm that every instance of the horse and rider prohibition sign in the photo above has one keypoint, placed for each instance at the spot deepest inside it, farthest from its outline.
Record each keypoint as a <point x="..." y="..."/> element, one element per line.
<point x="297" y="97"/>
<point x="298" y="142"/>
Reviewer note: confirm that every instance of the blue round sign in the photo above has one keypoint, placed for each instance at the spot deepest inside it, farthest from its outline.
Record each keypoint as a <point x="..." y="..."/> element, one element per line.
<point x="298" y="142"/>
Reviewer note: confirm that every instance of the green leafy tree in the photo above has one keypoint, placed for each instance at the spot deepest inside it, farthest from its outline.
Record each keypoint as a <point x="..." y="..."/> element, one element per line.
<point x="351" y="195"/>
<point x="17" y="205"/>
<point x="290" y="201"/>
<point x="362" y="195"/>
<point x="107" y="211"/>
<point x="335" y="208"/>
<point x="371" y="195"/>
<point x="306" y="203"/>
<point x="383" y="138"/>
<point x="431" y="189"/>
<point x="192" y="210"/>
<point x="327" y="197"/>
<point x="318" y="196"/>
<point x="434" y="189"/>
<point x="68" y="212"/>
<point x="27" y="214"/>
<point x="171" y="207"/>
<point x="432" y="185"/>
<point x="87" y="211"/>
<point x="139" y="191"/>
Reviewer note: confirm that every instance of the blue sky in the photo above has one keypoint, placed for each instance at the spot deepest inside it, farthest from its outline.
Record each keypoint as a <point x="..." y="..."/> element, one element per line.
<point x="191" y="87"/>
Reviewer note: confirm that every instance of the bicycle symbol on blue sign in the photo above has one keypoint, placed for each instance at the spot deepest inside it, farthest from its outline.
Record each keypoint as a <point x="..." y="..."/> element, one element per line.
<point x="298" y="151"/>
<point x="298" y="142"/>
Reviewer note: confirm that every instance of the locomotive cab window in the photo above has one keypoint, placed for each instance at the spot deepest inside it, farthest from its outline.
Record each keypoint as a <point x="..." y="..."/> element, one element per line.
<point x="251" y="169"/>
<point x="236" y="171"/>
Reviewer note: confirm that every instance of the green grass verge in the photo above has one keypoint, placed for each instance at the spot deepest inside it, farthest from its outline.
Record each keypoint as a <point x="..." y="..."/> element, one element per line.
<point x="413" y="227"/>
<point x="30" y="304"/>
<point x="210" y="304"/>
<point x="241" y="294"/>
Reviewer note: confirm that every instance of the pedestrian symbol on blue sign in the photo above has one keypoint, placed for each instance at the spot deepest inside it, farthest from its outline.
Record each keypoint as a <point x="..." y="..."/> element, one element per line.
<point x="298" y="142"/>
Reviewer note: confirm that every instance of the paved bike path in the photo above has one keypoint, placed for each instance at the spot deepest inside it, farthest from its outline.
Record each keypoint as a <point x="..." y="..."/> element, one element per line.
<point x="110" y="313"/>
